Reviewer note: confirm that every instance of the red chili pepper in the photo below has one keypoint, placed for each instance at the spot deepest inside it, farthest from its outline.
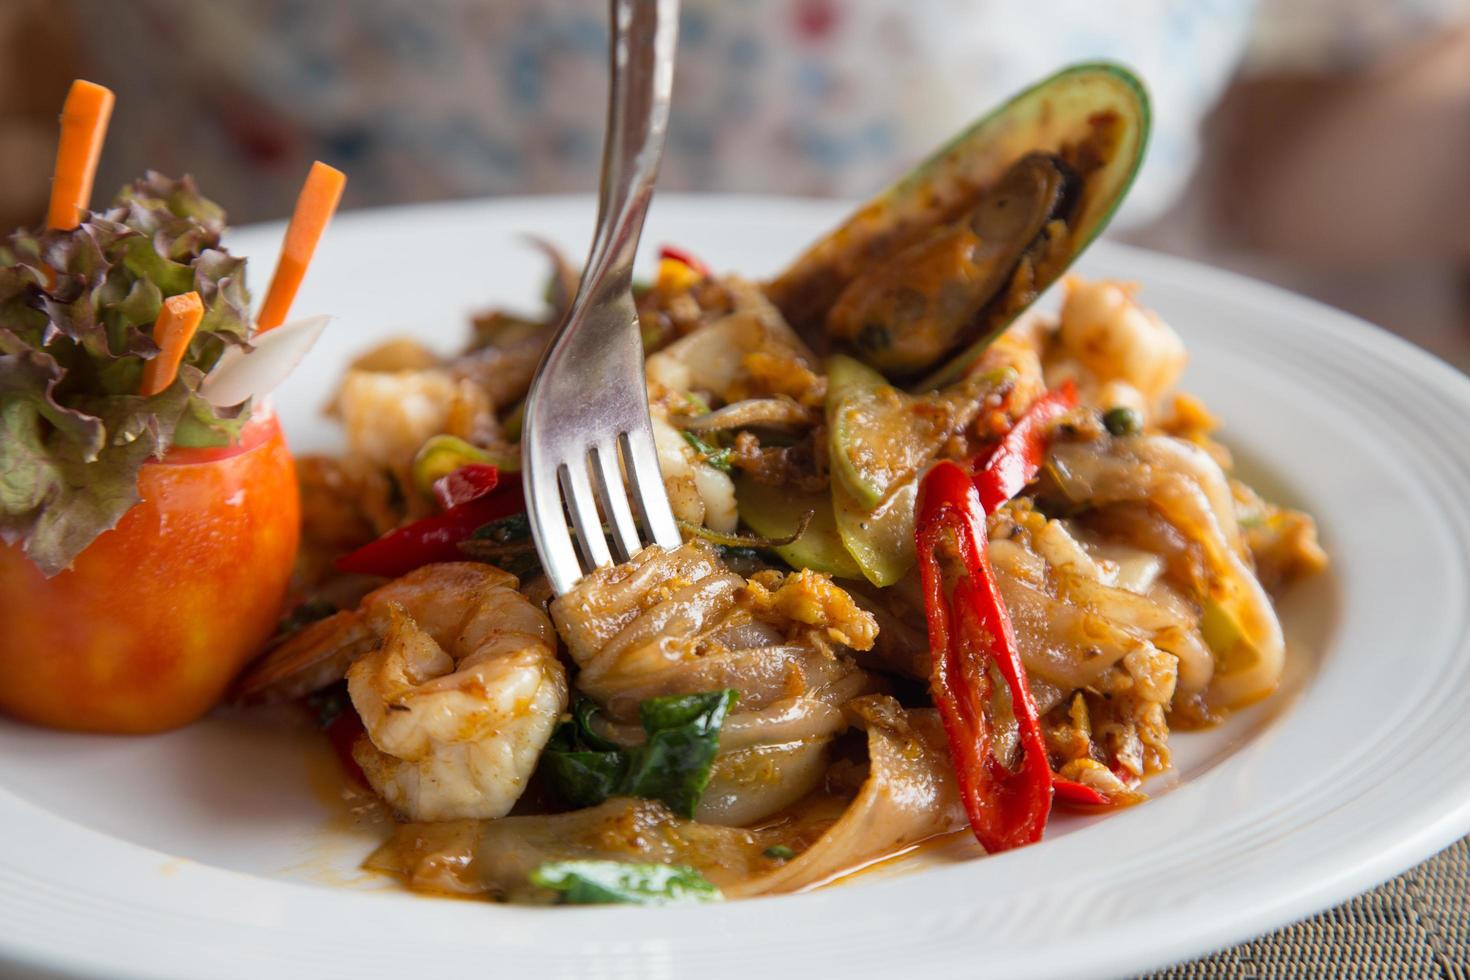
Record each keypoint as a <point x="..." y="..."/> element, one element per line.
<point x="1015" y="460"/>
<point x="969" y="633"/>
<point x="434" y="538"/>
<point x="470" y="482"/>
<point x="1073" y="793"/>
<point x="679" y="255"/>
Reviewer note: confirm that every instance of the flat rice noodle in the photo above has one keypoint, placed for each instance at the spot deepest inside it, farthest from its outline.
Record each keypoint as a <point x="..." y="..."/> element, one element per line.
<point x="680" y="629"/>
<point x="750" y="783"/>
<point x="712" y="358"/>
<point x="603" y="603"/>
<point x="1065" y="644"/>
<point x="1181" y="483"/>
<point x="761" y="675"/>
<point x="664" y="636"/>
<point x="908" y="796"/>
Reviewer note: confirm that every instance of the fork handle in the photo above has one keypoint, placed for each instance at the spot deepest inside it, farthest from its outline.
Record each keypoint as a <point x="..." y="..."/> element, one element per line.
<point x="644" y="34"/>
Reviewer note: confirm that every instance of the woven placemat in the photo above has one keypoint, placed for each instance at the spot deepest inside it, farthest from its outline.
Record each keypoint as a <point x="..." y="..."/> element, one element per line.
<point x="1417" y="925"/>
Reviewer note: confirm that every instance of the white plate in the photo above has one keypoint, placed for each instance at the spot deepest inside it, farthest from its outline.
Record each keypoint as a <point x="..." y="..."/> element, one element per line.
<point x="222" y="851"/>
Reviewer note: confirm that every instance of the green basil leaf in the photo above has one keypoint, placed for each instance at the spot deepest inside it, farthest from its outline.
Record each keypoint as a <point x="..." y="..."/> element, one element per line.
<point x="683" y="740"/>
<point x="718" y="458"/>
<point x="583" y="778"/>
<point x="672" y="765"/>
<point x="625" y="883"/>
<point x="583" y="713"/>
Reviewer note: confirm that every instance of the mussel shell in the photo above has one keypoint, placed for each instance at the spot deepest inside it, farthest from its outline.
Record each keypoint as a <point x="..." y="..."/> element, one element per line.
<point x="1094" y="118"/>
<point x="921" y="302"/>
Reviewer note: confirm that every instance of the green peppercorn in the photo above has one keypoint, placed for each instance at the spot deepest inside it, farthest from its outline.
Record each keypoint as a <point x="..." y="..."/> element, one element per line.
<point x="1122" y="421"/>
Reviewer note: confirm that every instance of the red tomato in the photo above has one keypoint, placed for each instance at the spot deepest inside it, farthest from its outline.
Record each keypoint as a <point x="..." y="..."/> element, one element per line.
<point x="147" y="628"/>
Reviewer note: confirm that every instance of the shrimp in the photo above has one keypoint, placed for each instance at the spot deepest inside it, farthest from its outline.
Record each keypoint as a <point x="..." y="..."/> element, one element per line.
<point x="461" y="695"/>
<point x="455" y="676"/>
<point x="388" y="414"/>
<point x="1119" y="343"/>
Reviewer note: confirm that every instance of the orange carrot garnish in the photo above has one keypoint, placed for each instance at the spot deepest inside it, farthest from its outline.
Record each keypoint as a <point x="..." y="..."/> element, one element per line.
<point x="84" y="118"/>
<point x="314" y="208"/>
<point x="172" y="332"/>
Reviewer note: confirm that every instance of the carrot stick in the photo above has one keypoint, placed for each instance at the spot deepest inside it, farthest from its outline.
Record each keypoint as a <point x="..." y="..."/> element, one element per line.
<point x="84" y="118"/>
<point x="314" y="208"/>
<point x="172" y="332"/>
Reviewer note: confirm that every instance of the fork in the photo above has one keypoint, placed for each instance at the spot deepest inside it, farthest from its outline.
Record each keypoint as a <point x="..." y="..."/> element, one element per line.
<point x="586" y="422"/>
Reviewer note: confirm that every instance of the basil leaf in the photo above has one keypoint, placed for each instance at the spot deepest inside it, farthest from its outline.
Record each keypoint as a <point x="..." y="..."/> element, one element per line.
<point x="625" y="883"/>
<point x="716" y="457"/>
<point x="582" y="778"/>
<point x="583" y="712"/>
<point x="505" y="530"/>
<point x="683" y="739"/>
<point x="672" y="765"/>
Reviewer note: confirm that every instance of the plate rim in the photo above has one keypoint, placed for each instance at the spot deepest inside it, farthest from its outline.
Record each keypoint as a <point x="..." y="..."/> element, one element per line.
<point x="1424" y="837"/>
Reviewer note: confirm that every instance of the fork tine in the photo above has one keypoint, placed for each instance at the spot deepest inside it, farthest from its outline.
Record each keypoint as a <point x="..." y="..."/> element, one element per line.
<point x="583" y="510"/>
<point x="608" y="481"/>
<point x="549" y="526"/>
<point x="647" y="483"/>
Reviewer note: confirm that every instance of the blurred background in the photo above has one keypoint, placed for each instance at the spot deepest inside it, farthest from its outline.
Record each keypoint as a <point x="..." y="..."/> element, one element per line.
<point x="1320" y="144"/>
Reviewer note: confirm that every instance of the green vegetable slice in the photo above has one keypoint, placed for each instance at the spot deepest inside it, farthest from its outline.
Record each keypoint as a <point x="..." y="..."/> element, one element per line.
<point x="879" y="436"/>
<point x="880" y="540"/>
<point x="875" y="438"/>
<point x="441" y="455"/>
<point x="774" y="512"/>
<point x="624" y="883"/>
<point x="673" y="765"/>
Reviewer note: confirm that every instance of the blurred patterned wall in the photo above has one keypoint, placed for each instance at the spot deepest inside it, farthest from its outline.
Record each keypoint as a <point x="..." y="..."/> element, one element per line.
<point x="1324" y="144"/>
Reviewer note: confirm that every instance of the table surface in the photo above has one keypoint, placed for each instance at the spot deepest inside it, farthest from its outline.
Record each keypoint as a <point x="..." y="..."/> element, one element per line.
<point x="1414" y="926"/>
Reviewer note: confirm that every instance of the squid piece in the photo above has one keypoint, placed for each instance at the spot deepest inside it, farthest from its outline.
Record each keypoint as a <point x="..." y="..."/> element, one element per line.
<point x="1175" y="500"/>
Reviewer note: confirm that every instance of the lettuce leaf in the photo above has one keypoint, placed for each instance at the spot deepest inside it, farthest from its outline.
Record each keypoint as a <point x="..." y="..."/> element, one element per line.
<point x="76" y="314"/>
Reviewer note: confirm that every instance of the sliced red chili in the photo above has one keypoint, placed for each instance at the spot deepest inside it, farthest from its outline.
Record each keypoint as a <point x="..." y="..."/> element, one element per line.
<point x="1073" y="793"/>
<point x="435" y="538"/>
<point x="1017" y="458"/>
<point x="470" y="482"/>
<point x="970" y="635"/>
<point x="679" y="255"/>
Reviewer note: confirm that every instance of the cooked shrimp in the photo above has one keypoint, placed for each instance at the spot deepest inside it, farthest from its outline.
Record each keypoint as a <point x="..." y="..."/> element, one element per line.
<point x="314" y="657"/>
<point x="455" y="675"/>
<point x="387" y="415"/>
<point x="461" y="694"/>
<point x="1104" y="331"/>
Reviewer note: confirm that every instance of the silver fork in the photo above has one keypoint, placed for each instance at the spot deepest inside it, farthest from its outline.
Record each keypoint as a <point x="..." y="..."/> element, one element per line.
<point x="586" y="420"/>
